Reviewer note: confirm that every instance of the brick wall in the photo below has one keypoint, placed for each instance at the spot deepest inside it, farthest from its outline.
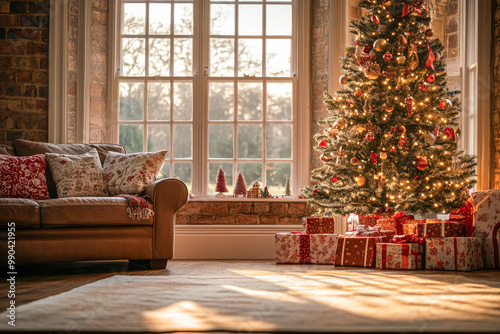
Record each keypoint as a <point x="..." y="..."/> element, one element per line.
<point x="24" y="38"/>
<point x="242" y="213"/>
<point x="71" y="116"/>
<point x="495" y="101"/>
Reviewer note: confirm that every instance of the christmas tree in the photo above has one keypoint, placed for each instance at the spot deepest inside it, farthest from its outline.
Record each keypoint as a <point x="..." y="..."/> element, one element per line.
<point x="265" y="193"/>
<point x="241" y="187"/>
<point x="287" y="188"/>
<point x="391" y="136"/>
<point x="220" y="187"/>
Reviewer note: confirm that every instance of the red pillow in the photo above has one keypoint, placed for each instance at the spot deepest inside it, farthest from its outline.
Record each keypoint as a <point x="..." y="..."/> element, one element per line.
<point x="23" y="177"/>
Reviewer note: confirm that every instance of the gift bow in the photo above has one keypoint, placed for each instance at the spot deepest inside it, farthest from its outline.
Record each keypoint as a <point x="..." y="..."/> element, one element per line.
<point x="407" y="239"/>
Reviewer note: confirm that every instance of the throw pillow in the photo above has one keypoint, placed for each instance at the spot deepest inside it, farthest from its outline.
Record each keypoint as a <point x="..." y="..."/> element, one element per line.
<point x="23" y="177"/>
<point x="130" y="173"/>
<point x="77" y="175"/>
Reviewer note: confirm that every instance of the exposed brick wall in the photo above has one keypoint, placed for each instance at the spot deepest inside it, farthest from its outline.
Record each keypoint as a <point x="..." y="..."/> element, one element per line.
<point x="24" y="41"/>
<point x="72" y="70"/>
<point x="495" y="101"/>
<point x="319" y="68"/>
<point x="242" y="213"/>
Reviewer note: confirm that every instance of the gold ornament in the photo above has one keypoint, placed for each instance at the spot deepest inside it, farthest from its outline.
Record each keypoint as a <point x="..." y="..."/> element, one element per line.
<point x="354" y="161"/>
<point x="332" y="133"/>
<point x="344" y="79"/>
<point x="324" y="158"/>
<point x="360" y="129"/>
<point x="402" y="40"/>
<point x="383" y="155"/>
<point x="388" y="107"/>
<point x="372" y="72"/>
<point x="429" y="138"/>
<point x="401" y="130"/>
<point x="360" y="180"/>
<point x="380" y="45"/>
<point x="429" y="32"/>
<point x="339" y="124"/>
<point x="412" y="57"/>
<point x="401" y="59"/>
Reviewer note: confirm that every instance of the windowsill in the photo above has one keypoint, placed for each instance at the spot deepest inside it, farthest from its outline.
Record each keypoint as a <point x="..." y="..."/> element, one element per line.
<point x="234" y="199"/>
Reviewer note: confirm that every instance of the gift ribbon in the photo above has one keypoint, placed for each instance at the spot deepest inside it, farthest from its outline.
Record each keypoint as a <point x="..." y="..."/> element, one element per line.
<point x="405" y="254"/>
<point x="304" y="247"/>
<point x="455" y="252"/>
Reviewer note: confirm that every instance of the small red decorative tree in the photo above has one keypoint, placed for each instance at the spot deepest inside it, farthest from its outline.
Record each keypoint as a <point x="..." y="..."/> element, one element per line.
<point x="241" y="187"/>
<point x="221" y="182"/>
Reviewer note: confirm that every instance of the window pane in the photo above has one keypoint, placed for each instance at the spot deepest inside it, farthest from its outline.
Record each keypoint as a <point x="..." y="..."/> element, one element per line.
<point x="279" y="20"/>
<point x="134" y="57"/>
<point x="221" y="101"/>
<point x="221" y="57"/>
<point x="131" y="102"/>
<point x="222" y="19"/>
<point x="278" y="58"/>
<point x="183" y="19"/>
<point x="250" y="141"/>
<point x="220" y="141"/>
<point x="250" y="20"/>
<point x="159" y="56"/>
<point x="279" y="141"/>
<point x="159" y="18"/>
<point x="182" y="170"/>
<point x="249" y="57"/>
<point x="159" y="138"/>
<point x="252" y="172"/>
<point x="159" y="101"/>
<point x="249" y="101"/>
<point x="164" y="171"/>
<point x="183" y="101"/>
<point x="213" y="167"/>
<point x="182" y="140"/>
<point x="134" y="18"/>
<point x="183" y="57"/>
<point x="131" y="137"/>
<point x="279" y="101"/>
<point x="276" y="174"/>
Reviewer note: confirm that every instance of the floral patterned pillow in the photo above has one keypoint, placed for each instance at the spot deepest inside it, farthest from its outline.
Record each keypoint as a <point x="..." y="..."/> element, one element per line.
<point x="23" y="177"/>
<point x="130" y="173"/>
<point x="77" y="175"/>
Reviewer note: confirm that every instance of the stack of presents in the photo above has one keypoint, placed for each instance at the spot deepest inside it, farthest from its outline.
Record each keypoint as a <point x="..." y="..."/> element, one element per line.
<point x="467" y="241"/>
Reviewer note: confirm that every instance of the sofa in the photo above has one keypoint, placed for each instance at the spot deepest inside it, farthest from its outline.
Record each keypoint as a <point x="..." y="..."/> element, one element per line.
<point x="88" y="228"/>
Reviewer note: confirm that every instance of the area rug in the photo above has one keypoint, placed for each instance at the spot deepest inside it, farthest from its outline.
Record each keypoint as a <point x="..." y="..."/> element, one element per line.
<point x="274" y="300"/>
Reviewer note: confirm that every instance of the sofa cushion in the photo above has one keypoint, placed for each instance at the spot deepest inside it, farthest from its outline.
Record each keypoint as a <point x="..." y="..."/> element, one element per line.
<point x="25" y="213"/>
<point x="77" y="175"/>
<point x="130" y="173"/>
<point x="27" y="147"/>
<point x="23" y="177"/>
<point x="7" y="150"/>
<point x="87" y="211"/>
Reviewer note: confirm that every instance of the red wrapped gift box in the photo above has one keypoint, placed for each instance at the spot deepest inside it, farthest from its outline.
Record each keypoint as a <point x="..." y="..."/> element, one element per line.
<point x="325" y="225"/>
<point x="299" y="247"/>
<point x="456" y="253"/>
<point x="387" y="224"/>
<point x="356" y="252"/>
<point x="434" y="228"/>
<point x="394" y="223"/>
<point x="368" y="220"/>
<point x="399" y="256"/>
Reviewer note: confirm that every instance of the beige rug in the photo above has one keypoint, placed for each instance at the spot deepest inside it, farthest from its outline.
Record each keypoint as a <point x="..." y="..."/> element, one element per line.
<point x="275" y="298"/>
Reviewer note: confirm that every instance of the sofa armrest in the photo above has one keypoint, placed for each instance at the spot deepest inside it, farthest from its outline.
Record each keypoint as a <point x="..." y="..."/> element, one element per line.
<point x="168" y="195"/>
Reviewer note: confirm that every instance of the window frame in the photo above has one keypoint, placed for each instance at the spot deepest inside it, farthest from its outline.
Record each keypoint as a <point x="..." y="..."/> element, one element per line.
<point x="199" y="160"/>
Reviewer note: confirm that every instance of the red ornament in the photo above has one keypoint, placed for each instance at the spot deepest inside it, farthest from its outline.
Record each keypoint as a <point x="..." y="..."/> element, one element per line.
<point x="450" y="133"/>
<point x="430" y="59"/>
<point x="366" y="49"/>
<point x="398" y="87"/>
<point x="375" y="19"/>
<point x="358" y="93"/>
<point x="315" y="191"/>
<point x="409" y="104"/>
<point x="354" y="161"/>
<point x="421" y="163"/>
<point x="323" y="143"/>
<point x="324" y="158"/>
<point x="431" y="78"/>
<point x="423" y="86"/>
<point x="369" y="136"/>
<point x="374" y="158"/>
<point x="416" y="177"/>
<point x="387" y="56"/>
<point x="442" y="104"/>
<point x="334" y="179"/>
<point x="406" y="10"/>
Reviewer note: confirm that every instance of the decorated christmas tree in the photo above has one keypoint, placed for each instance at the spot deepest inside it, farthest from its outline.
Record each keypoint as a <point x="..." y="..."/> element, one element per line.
<point x="220" y="187"/>
<point x="391" y="136"/>
<point x="288" y="192"/>
<point x="241" y="187"/>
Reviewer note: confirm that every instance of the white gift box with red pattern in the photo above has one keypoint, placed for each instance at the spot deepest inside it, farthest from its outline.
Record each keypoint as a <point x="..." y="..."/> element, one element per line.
<point x="453" y="253"/>
<point x="300" y="247"/>
<point x="487" y="223"/>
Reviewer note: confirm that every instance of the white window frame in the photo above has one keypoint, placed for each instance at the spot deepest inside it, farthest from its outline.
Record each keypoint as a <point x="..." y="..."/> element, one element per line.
<point x="301" y="104"/>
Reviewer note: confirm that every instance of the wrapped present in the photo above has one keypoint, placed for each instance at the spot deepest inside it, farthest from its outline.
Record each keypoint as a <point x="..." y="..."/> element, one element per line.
<point x="406" y="239"/>
<point x="368" y="220"/>
<point x="387" y="224"/>
<point x="356" y="252"/>
<point x="401" y="218"/>
<point x="465" y="215"/>
<point x="434" y="228"/>
<point x="324" y="225"/>
<point x="299" y="247"/>
<point x="453" y="253"/>
<point x="487" y="223"/>
<point x="399" y="256"/>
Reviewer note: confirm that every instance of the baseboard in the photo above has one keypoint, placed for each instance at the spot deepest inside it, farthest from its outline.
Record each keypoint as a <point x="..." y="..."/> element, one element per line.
<point x="227" y="242"/>
<point x="232" y="242"/>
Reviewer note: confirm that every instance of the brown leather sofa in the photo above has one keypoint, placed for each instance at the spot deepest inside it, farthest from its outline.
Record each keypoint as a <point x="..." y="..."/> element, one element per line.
<point x="88" y="228"/>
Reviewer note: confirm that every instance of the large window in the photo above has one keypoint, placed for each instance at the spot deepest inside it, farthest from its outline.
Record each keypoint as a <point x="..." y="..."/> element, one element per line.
<point x="214" y="83"/>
